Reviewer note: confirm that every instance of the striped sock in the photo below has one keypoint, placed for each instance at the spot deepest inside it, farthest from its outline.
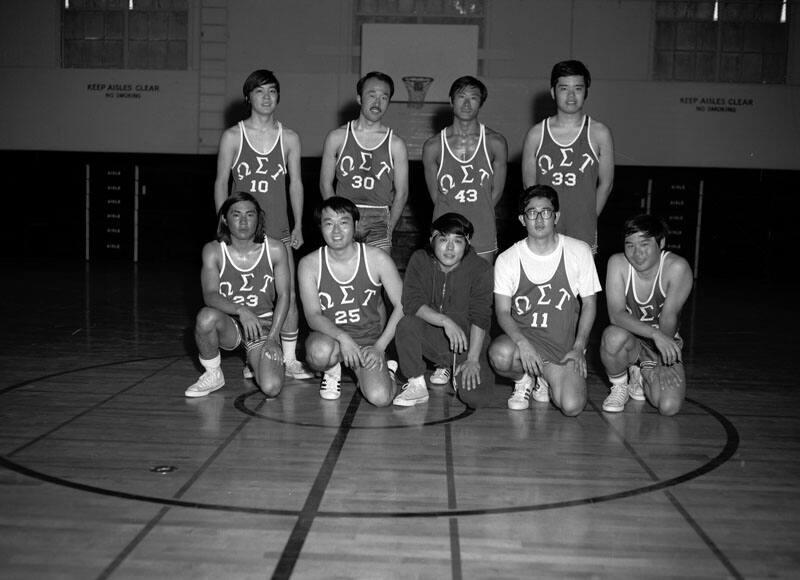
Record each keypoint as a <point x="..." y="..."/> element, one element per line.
<point x="289" y="345"/>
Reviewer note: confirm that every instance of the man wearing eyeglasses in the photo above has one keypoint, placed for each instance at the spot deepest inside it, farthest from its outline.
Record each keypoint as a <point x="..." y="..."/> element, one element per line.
<point x="544" y="292"/>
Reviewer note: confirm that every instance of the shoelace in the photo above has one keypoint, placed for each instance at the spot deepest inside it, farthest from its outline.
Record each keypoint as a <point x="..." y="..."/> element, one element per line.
<point x="520" y="390"/>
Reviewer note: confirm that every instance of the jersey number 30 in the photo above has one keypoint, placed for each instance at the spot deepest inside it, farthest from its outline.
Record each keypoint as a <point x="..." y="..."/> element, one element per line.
<point x="367" y="182"/>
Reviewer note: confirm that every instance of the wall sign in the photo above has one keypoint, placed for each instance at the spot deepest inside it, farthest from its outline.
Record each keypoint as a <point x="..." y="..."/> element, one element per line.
<point x="717" y="104"/>
<point x="122" y="90"/>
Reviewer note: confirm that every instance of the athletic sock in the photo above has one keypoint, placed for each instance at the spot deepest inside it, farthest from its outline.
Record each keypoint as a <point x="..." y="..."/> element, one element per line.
<point x="212" y="363"/>
<point x="618" y="380"/>
<point x="335" y="370"/>
<point x="289" y="345"/>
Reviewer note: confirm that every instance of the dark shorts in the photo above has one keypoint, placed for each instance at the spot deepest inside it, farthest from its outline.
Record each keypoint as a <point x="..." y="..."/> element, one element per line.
<point x="648" y="354"/>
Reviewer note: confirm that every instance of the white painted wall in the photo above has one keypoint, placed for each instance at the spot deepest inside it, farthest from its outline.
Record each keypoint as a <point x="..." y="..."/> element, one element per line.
<point x="309" y="45"/>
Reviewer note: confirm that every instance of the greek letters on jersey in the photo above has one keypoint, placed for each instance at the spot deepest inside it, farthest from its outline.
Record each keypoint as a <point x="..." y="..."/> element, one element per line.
<point x="465" y="187"/>
<point x="564" y="166"/>
<point x="571" y="169"/>
<point x="649" y="309"/>
<point x="263" y="175"/>
<point x="363" y="175"/>
<point x="547" y="313"/>
<point x="352" y="305"/>
<point x="253" y="287"/>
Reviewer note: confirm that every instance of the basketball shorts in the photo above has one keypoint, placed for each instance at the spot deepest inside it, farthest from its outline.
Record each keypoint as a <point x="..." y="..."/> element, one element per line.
<point x="649" y="358"/>
<point x="266" y="324"/>
<point x="373" y="227"/>
<point x="648" y="353"/>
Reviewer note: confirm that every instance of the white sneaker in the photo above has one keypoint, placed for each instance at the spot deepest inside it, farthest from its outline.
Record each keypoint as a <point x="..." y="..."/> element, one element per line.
<point x="541" y="393"/>
<point x="414" y="392"/>
<point x="294" y="369"/>
<point x="209" y="381"/>
<point x="521" y="399"/>
<point x="247" y="372"/>
<point x="441" y="376"/>
<point x="635" y="389"/>
<point x="615" y="401"/>
<point x="329" y="387"/>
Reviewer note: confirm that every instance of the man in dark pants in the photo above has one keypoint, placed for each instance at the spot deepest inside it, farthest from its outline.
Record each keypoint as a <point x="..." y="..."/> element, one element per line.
<point x="447" y="298"/>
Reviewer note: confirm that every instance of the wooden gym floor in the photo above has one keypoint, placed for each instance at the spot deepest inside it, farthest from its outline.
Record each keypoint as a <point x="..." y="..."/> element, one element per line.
<point x="109" y="472"/>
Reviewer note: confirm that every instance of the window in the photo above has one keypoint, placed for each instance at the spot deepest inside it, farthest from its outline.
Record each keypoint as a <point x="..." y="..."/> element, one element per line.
<point x="133" y="34"/>
<point x="737" y="41"/>
<point x="418" y="12"/>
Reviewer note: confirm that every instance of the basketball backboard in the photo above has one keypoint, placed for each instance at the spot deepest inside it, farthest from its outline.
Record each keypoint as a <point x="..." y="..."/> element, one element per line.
<point x="442" y="51"/>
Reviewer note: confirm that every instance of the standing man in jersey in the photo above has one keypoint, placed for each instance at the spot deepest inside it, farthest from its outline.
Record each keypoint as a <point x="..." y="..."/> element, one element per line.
<point x="465" y="166"/>
<point x="572" y="153"/>
<point x="369" y="163"/>
<point x="341" y="286"/>
<point x="544" y="292"/>
<point x="260" y="154"/>
<point x="646" y="288"/>
<point x="245" y="280"/>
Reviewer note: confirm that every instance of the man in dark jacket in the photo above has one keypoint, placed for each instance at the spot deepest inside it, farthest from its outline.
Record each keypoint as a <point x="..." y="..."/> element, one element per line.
<point x="447" y="298"/>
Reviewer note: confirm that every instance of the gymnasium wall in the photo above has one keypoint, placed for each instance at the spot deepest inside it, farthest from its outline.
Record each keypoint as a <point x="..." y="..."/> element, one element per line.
<point x="741" y="141"/>
<point x="310" y="46"/>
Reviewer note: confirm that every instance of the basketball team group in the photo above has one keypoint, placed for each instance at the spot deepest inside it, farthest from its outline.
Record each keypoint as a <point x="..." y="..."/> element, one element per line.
<point x="539" y="295"/>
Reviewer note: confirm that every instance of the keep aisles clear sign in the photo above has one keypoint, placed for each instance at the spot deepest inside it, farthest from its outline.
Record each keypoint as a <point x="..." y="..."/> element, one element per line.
<point x="123" y="90"/>
<point x="718" y="104"/>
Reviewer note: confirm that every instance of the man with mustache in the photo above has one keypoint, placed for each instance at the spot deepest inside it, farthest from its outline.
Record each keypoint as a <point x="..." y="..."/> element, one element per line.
<point x="368" y="163"/>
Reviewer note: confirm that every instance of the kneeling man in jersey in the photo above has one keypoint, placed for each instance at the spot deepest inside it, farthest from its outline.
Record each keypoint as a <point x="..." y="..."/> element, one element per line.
<point x="646" y="289"/>
<point x="544" y="291"/>
<point x="341" y="288"/>
<point x="245" y="281"/>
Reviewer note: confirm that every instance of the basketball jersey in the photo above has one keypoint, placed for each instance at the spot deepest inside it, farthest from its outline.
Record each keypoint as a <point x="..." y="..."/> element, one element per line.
<point x="649" y="309"/>
<point x="253" y="287"/>
<point x="547" y="313"/>
<point x="365" y="176"/>
<point x="263" y="175"/>
<point x="571" y="169"/>
<point x="465" y="187"/>
<point x="352" y="305"/>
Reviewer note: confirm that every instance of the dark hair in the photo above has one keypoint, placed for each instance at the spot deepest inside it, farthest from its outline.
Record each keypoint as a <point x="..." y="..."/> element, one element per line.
<point x="544" y="191"/>
<point x="462" y="83"/>
<point x="258" y="78"/>
<point x="452" y="223"/>
<point x="337" y="204"/>
<point x="375" y="75"/>
<point x="570" y="68"/>
<point x="224" y="232"/>
<point x="648" y="225"/>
